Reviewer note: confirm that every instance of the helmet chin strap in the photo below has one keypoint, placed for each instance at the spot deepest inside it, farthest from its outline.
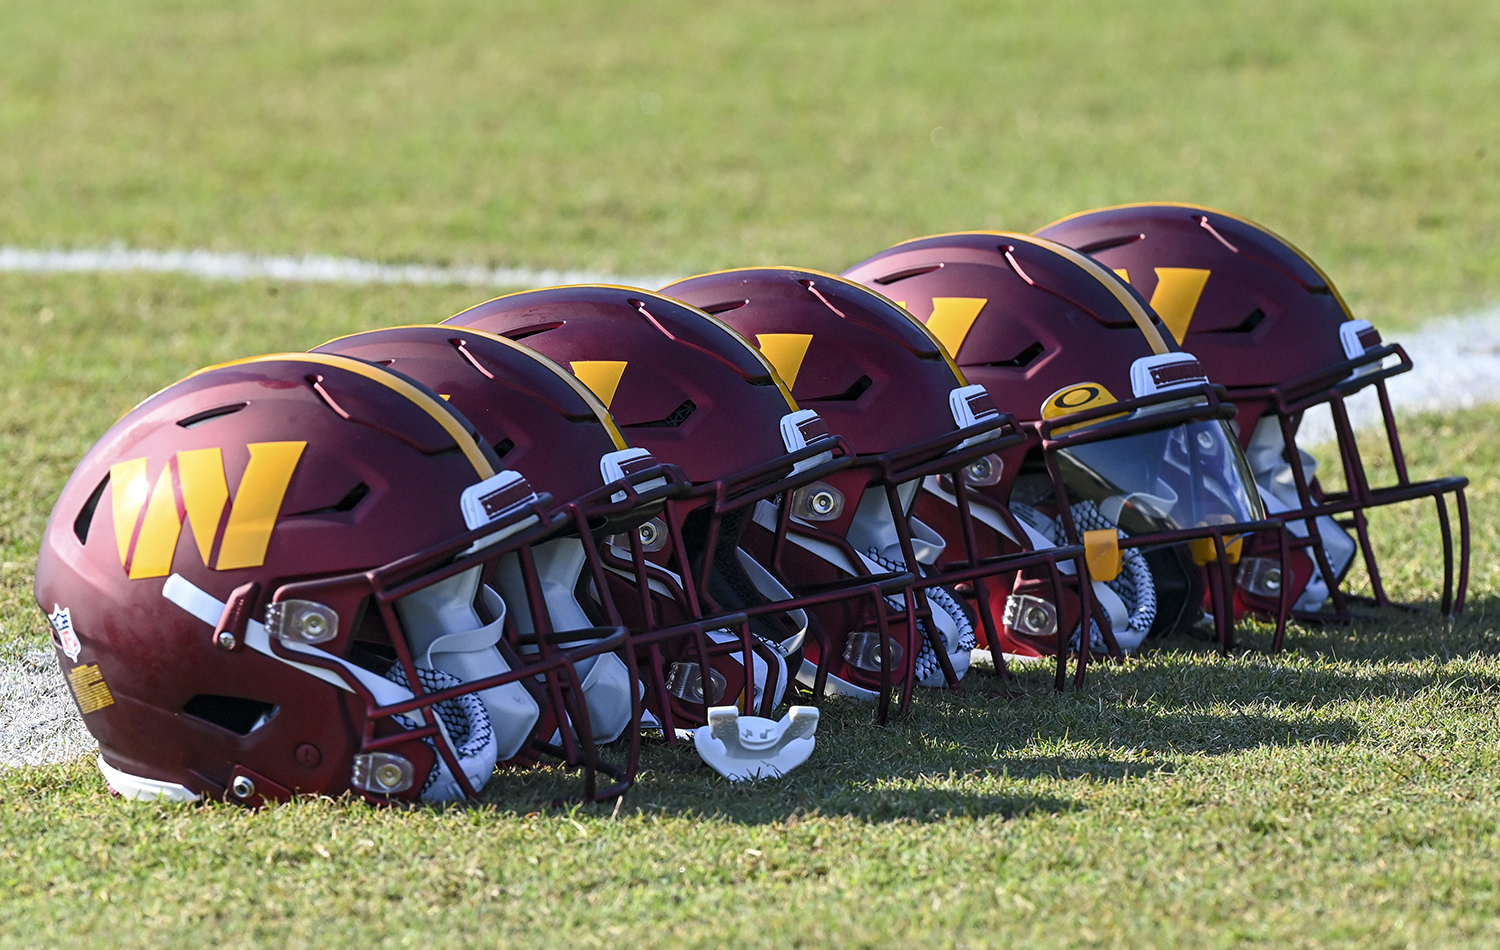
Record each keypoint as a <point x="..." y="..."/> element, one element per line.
<point x="1129" y="600"/>
<point x="874" y="535"/>
<point x="1278" y="489"/>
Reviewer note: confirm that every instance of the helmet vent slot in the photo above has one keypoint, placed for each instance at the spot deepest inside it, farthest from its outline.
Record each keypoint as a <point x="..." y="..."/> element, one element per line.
<point x="1247" y="324"/>
<point x="503" y="447"/>
<point x="351" y="498"/>
<point x="725" y="307"/>
<point x="909" y="272"/>
<point x="1023" y="358"/>
<point x="208" y="415"/>
<point x="1104" y="244"/>
<point x="852" y="394"/>
<point x="86" y="515"/>
<point x="677" y="417"/>
<point x="239" y="716"/>
<point x="522" y="333"/>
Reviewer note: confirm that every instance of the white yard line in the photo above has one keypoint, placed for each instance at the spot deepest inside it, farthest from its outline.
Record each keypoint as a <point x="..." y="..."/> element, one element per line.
<point x="212" y="265"/>
<point x="1455" y="365"/>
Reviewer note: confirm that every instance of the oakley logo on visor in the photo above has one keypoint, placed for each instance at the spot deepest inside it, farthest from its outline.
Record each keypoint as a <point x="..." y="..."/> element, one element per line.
<point x="1150" y="375"/>
<point x="493" y="498"/>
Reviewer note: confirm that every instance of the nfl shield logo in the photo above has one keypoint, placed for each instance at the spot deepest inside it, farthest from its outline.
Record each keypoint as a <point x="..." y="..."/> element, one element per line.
<point x="62" y="622"/>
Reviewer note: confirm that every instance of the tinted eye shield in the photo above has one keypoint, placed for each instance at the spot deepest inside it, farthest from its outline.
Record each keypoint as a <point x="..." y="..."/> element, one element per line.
<point x="1210" y="544"/>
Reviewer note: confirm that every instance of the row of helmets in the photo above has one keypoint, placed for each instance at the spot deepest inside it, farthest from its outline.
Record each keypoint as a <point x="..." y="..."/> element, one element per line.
<point x="569" y="516"/>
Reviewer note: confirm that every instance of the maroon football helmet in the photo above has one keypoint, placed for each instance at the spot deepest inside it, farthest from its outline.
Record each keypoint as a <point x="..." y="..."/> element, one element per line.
<point x="266" y="579"/>
<point x="1128" y="451"/>
<point x="1270" y="326"/>
<point x="886" y="385"/>
<point x="688" y="389"/>
<point x="546" y="425"/>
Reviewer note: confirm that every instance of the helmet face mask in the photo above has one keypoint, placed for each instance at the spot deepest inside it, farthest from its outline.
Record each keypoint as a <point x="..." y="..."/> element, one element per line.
<point x="1150" y="482"/>
<point x="1269" y="324"/>
<point x="297" y="634"/>
<point x="887" y="386"/>
<point x="688" y="388"/>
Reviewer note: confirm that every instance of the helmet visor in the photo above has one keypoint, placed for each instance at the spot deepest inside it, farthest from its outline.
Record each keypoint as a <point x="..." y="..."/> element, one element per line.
<point x="1188" y="476"/>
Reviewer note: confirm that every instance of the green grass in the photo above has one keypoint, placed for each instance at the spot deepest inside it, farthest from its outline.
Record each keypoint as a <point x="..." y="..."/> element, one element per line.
<point x="789" y="131"/>
<point x="1341" y="792"/>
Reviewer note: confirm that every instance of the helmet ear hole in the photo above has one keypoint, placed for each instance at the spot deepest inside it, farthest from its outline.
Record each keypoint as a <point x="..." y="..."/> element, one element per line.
<point x="240" y="716"/>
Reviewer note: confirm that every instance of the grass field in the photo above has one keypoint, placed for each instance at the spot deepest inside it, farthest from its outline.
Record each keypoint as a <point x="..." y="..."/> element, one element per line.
<point x="1339" y="793"/>
<point x="788" y="131"/>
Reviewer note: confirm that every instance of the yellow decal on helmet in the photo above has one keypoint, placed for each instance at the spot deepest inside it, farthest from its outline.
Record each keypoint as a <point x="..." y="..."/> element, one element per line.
<point x="601" y="376"/>
<point x="89" y="689"/>
<point x="148" y="541"/>
<point x="205" y="492"/>
<point x="952" y="319"/>
<point x="786" y="352"/>
<point x="128" y="488"/>
<point x="257" y="504"/>
<point x="1076" y="398"/>
<point x="1176" y="296"/>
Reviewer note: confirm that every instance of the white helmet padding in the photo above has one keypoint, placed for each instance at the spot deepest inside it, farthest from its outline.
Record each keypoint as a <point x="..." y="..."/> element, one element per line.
<point x="1278" y="488"/>
<point x="606" y="679"/>
<point x="874" y="537"/>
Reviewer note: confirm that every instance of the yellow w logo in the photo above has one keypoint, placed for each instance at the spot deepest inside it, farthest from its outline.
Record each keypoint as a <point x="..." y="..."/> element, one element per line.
<point x="192" y="487"/>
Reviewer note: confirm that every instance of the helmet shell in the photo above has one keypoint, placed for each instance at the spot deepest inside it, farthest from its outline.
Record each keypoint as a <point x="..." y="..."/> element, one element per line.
<point x="679" y="383"/>
<point x="540" y="419"/>
<point x="339" y="467"/>
<point x="1252" y="308"/>
<point x="866" y="366"/>
<point x="1024" y="317"/>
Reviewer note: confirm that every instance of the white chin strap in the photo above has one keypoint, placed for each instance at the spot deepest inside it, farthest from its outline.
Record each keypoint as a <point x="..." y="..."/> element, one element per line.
<point x="873" y="534"/>
<point x="606" y="679"/>
<point x="1278" y="488"/>
<point x="1129" y="600"/>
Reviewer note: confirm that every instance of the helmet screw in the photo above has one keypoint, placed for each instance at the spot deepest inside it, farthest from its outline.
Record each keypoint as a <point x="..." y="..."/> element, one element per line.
<point x="314" y="625"/>
<point x="242" y="786"/>
<point x="648" y="533"/>
<point x="389" y="775"/>
<point x="821" y="502"/>
<point x="1036" y="618"/>
<point x="309" y="756"/>
<point x="1272" y="579"/>
<point x="226" y="640"/>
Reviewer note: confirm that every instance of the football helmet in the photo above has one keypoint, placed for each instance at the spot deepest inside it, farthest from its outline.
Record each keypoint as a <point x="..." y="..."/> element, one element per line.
<point x="884" y="383"/>
<point x="1269" y="325"/>
<point x="546" y="425"/>
<point x="1128" y="450"/>
<point x="266" y="579"/>
<point x="688" y="389"/>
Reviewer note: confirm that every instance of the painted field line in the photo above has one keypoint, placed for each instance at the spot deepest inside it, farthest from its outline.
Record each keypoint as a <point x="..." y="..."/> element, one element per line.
<point x="213" y="265"/>
<point x="1457" y="358"/>
<point x="1456" y="365"/>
